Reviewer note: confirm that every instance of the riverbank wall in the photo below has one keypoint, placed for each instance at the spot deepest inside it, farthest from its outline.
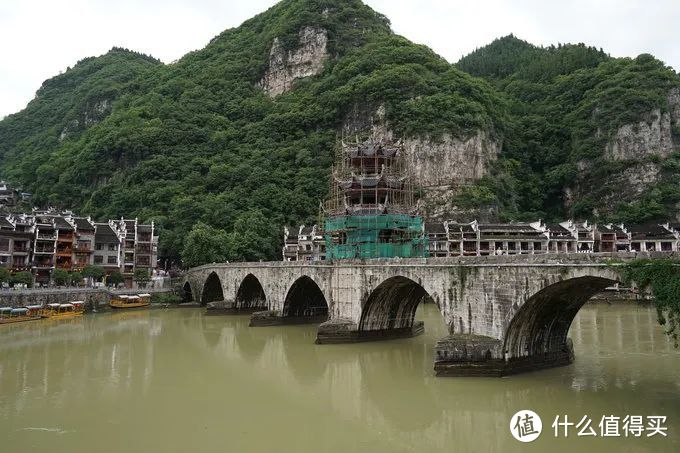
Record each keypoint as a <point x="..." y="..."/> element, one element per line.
<point x="96" y="299"/>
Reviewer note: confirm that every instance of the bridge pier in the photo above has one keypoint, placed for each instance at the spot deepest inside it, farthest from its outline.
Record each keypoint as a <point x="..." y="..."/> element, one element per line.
<point x="337" y="331"/>
<point x="476" y="355"/>
<point x="270" y="318"/>
<point x="223" y="307"/>
<point x="506" y="314"/>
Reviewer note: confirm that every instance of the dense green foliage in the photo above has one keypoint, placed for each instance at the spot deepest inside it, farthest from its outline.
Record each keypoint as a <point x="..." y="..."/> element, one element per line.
<point x="165" y="298"/>
<point x="662" y="277"/>
<point x="60" y="277"/>
<point x="75" y="278"/>
<point x="22" y="278"/>
<point x="253" y="239"/>
<point x="93" y="272"/>
<point x="115" y="279"/>
<point x="566" y="102"/>
<point x="199" y="141"/>
<point x="5" y="275"/>
<point x="141" y="277"/>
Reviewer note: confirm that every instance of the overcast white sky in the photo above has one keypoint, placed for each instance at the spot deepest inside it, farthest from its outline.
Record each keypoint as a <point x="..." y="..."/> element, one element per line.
<point x="40" y="38"/>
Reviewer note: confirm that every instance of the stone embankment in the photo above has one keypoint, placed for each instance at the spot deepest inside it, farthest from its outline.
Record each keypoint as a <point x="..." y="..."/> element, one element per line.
<point x="96" y="299"/>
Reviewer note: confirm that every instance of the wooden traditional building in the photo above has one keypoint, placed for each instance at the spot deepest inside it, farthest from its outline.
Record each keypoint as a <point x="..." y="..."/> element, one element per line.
<point x="652" y="237"/>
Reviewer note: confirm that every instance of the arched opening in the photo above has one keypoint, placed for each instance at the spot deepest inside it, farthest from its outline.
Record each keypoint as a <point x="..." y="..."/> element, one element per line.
<point x="305" y="300"/>
<point x="392" y="305"/>
<point x="541" y="325"/>
<point x="250" y="293"/>
<point x="187" y="294"/>
<point x="212" y="289"/>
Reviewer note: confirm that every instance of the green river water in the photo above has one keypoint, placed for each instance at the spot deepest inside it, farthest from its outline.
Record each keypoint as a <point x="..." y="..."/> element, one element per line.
<point x="178" y="381"/>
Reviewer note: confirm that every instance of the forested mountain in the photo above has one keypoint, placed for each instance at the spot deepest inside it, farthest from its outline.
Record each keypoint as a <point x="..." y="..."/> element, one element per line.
<point x="240" y="134"/>
<point x="590" y="136"/>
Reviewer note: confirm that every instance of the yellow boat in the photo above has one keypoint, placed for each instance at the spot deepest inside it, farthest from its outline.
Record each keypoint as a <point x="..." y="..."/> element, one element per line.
<point x="124" y="301"/>
<point x="57" y="311"/>
<point x="9" y="315"/>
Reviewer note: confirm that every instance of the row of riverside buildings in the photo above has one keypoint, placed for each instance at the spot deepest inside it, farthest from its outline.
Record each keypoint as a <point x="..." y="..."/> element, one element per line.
<point x="450" y="239"/>
<point x="43" y="241"/>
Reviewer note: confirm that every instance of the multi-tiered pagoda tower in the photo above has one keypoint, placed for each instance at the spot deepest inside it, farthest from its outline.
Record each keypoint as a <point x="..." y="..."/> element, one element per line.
<point x="371" y="210"/>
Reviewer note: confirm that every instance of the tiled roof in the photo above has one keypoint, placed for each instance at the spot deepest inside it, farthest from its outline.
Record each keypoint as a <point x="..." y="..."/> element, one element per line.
<point x="514" y="227"/>
<point x="5" y="224"/>
<point x="62" y="223"/>
<point x="435" y="227"/>
<point x="464" y="227"/>
<point x="83" y="224"/>
<point x="105" y="233"/>
<point x="650" y="231"/>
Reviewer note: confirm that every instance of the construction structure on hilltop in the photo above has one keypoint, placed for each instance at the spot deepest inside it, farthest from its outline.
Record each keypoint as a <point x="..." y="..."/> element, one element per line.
<point x="371" y="209"/>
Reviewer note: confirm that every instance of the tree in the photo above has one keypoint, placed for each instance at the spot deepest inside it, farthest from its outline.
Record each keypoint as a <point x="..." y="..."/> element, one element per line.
<point x="93" y="272"/>
<point x="60" y="276"/>
<point x="142" y="277"/>
<point x="25" y="278"/>
<point x="115" y="279"/>
<point x="205" y="244"/>
<point x="254" y="238"/>
<point x="76" y="278"/>
<point x="5" y="276"/>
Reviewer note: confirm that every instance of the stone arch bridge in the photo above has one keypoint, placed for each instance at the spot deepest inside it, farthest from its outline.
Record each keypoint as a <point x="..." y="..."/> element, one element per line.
<point x="505" y="314"/>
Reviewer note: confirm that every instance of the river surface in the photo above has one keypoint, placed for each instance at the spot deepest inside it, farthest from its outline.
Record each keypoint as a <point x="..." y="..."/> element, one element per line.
<point x="179" y="381"/>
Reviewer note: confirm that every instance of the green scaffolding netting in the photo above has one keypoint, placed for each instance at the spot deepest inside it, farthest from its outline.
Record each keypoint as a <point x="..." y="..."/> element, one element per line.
<point x="374" y="236"/>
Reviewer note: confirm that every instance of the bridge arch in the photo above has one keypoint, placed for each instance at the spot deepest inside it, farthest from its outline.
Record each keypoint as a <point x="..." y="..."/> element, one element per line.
<point x="250" y="293"/>
<point x="212" y="289"/>
<point x="305" y="299"/>
<point x="392" y="304"/>
<point x="539" y="327"/>
<point x="187" y="293"/>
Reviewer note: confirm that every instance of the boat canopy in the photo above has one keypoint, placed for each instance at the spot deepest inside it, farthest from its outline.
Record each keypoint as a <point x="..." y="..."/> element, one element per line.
<point x="33" y="307"/>
<point x="53" y="305"/>
<point x="16" y="311"/>
<point x="133" y="297"/>
<point x="123" y="296"/>
<point x="145" y="295"/>
<point x="5" y="309"/>
<point x="78" y="302"/>
<point x="66" y="306"/>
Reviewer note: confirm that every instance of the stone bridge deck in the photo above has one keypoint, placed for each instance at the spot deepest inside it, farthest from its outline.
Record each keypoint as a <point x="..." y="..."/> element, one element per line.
<point x="505" y="314"/>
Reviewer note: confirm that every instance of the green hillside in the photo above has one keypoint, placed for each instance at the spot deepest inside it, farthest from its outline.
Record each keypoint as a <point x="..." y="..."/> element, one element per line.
<point x="200" y="141"/>
<point x="566" y="103"/>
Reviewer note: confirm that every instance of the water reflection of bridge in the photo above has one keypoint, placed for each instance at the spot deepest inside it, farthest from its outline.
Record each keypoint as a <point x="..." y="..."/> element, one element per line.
<point x="385" y="388"/>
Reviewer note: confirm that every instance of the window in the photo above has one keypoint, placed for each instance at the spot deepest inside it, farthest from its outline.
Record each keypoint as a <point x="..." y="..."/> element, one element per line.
<point x="112" y="247"/>
<point x="99" y="247"/>
<point x="98" y="259"/>
<point x="112" y="260"/>
<point x="4" y="244"/>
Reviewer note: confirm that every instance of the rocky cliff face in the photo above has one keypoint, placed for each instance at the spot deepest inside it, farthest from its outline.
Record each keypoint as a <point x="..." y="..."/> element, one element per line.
<point x="440" y="166"/>
<point x="652" y="136"/>
<point x="304" y="61"/>
<point x="93" y="113"/>
<point x="657" y="137"/>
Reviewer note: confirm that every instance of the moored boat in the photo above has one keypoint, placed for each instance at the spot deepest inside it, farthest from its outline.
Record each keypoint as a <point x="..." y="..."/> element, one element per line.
<point x="69" y="310"/>
<point x="9" y="315"/>
<point x="124" y="301"/>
